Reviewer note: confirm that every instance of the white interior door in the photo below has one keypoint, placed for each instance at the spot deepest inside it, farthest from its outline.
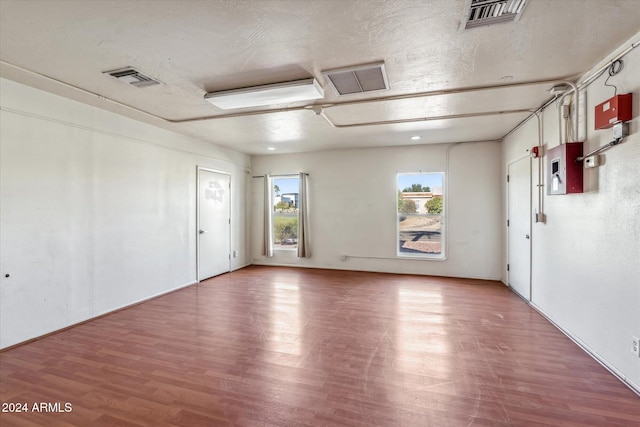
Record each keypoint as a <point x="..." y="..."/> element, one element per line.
<point x="214" y="223"/>
<point x="519" y="227"/>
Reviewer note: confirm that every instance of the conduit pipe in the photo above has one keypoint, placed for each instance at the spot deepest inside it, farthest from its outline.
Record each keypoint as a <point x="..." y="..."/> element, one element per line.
<point x="562" y="127"/>
<point x="286" y="109"/>
<point x="588" y="80"/>
<point x="540" y="217"/>
<point x="574" y="89"/>
<point x="577" y="110"/>
<point x="582" y="84"/>
<point x="423" y="119"/>
<point x="325" y="106"/>
<point x="600" y="149"/>
<point x="519" y="125"/>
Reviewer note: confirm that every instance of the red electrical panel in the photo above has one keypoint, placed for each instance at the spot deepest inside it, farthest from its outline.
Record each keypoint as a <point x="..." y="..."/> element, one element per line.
<point x="564" y="173"/>
<point x="612" y="111"/>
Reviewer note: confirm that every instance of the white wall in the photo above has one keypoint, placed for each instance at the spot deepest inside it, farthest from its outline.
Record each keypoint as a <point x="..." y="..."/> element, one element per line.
<point x="97" y="211"/>
<point x="353" y="198"/>
<point x="586" y="258"/>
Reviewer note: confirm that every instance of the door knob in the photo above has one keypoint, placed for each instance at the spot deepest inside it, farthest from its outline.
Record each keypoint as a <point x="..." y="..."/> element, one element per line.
<point x="204" y="231"/>
<point x="527" y="236"/>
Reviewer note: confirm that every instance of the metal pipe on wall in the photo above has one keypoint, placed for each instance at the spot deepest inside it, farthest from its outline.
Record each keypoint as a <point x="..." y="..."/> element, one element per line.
<point x="423" y="119"/>
<point x="286" y="109"/>
<point x="575" y="87"/>
<point x="582" y="84"/>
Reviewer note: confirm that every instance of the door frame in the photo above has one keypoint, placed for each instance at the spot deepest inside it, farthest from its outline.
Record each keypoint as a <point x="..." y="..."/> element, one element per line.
<point x="197" y="234"/>
<point x="509" y="165"/>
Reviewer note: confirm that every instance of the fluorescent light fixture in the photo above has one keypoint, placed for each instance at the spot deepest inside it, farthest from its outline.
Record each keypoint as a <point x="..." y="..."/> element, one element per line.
<point x="271" y="148"/>
<point x="257" y="96"/>
<point x="415" y="137"/>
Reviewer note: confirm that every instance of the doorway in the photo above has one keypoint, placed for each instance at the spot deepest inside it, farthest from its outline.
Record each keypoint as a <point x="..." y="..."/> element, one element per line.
<point x="519" y="227"/>
<point x="213" y="223"/>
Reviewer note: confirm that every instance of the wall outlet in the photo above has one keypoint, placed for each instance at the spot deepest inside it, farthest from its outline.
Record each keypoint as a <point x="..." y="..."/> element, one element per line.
<point x="235" y="254"/>
<point x="635" y="346"/>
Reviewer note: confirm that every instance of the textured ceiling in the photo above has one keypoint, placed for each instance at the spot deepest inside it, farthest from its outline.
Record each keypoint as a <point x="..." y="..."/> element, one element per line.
<point x="195" y="47"/>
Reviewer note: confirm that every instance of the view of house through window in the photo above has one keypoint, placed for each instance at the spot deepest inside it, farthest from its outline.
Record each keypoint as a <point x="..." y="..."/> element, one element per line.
<point x="421" y="215"/>
<point x="285" y="212"/>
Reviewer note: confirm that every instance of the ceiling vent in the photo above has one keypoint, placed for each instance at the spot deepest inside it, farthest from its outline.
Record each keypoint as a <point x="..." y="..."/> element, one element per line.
<point x="133" y="77"/>
<point x="486" y="12"/>
<point x="359" y="79"/>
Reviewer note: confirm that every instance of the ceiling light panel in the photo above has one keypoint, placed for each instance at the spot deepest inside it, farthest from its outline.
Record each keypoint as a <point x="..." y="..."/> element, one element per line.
<point x="359" y="79"/>
<point x="272" y="94"/>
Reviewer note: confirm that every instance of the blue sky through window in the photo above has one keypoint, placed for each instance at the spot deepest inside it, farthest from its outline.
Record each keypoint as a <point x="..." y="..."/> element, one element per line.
<point x="433" y="180"/>
<point x="286" y="185"/>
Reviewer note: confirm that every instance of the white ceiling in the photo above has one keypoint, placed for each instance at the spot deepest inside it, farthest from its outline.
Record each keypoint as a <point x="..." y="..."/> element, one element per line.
<point x="201" y="46"/>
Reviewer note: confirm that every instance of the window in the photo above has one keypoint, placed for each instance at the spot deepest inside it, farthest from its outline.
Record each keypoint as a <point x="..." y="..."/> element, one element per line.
<point x="421" y="215"/>
<point x="285" y="212"/>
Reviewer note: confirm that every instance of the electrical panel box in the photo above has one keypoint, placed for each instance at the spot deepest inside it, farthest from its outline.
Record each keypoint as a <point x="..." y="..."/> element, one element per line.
<point x="564" y="173"/>
<point x="612" y="111"/>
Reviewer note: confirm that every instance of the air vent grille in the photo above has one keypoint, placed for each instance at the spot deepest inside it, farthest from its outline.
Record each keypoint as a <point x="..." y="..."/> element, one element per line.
<point x="133" y="77"/>
<point x="359" y="79"/>
<point x="486" y="12"/>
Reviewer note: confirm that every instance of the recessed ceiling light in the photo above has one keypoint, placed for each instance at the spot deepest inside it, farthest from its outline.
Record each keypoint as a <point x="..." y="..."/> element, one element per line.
<point x="271" y="148"/>
<point x="415" y="137"/>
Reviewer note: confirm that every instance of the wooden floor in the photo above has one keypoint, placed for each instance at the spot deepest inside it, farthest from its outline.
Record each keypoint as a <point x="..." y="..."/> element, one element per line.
<point x="294" y="347"/>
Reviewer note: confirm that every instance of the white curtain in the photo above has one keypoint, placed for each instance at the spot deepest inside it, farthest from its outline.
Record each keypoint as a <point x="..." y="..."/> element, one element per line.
<point x="268" y="212"/>
<point x="304" y="248"/>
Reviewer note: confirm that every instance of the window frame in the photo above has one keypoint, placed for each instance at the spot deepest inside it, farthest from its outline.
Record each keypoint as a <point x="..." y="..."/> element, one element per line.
<point x="274" y="178"/>
<point x="427" y="256"/>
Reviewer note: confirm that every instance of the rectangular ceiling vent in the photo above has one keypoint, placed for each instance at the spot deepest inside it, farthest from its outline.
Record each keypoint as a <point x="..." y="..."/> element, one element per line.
<point x="133" y="77"/>
<point x="358" y="79"/>
<point x="487" y="12"/>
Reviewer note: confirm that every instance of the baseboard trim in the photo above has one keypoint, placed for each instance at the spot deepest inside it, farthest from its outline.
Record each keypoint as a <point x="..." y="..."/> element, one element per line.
<point x="240" y="267"/>
<point x="100" y="315"/>
<point x="333" y="267"/>
<point x="619" y="375"/>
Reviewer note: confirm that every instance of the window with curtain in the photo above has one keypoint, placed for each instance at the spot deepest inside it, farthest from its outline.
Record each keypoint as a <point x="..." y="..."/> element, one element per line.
<point x="420" y="215"/>
<point x="285" y="199"/>
<point x="286" y="214"/>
